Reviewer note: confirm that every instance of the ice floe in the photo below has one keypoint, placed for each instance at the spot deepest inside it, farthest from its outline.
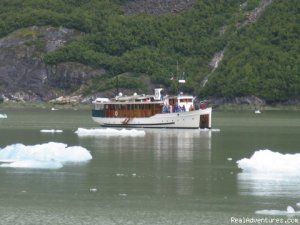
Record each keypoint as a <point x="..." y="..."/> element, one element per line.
<point x="212" y="129"/>
<point x="50" y="155"/>
<point x="51" y="131"/>
<point x="93" y="189"/>
<point x="3" y="116"/>
<point x="268" y="173"/>
<point x="267" y="161"/>
<point x="83" y="132"/>
<point x="34" y="164"/>
<point x="290" y="209"/>
<point x="273" y="212"/>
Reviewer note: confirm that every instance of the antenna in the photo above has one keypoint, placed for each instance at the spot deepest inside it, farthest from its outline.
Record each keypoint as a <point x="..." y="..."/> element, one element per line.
<point x="180" y="80"/>
<point x="117" y="84"/>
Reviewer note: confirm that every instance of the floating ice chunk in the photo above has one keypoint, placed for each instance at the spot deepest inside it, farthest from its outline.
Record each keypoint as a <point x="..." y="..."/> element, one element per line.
<point x="298" y="204"/>
<point x="51" y="131"/>
<point x="266" y="161"/>
<point x="3" y="116"/>
<point x="229" y="159"/>
<point x="122" y="194"/>
<point x="290" y="209"/>
<point x="50" y="155"/>
<point x="272" y="212"/>
<point x="34" y="164"/>
<point x="109" y="132"/>
<point x="212" y="129"/>
<point x="215" y="130"/>
<point x="93" y="190"/>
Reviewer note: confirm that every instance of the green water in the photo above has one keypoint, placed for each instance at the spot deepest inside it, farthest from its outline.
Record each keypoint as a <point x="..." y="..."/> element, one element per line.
<point x="164" y="177"/>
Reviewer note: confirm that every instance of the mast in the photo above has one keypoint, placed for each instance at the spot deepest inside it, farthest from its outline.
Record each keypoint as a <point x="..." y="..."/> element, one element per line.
<point x="180" y="80"/>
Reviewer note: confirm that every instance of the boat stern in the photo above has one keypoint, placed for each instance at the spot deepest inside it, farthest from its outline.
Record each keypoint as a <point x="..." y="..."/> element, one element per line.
<point x="205" y="118"/>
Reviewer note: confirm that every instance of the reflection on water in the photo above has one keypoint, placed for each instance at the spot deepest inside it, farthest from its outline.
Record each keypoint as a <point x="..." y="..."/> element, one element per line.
<point x="182" y="143"/>
<point x="170" y="157"/>
<point x="258" y="184"/>
<point x="180" y="146"/>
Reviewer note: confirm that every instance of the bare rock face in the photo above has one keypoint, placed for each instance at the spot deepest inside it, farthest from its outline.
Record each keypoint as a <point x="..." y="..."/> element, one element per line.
<point x="22" y="68"/>
<point x="156" y="7"/>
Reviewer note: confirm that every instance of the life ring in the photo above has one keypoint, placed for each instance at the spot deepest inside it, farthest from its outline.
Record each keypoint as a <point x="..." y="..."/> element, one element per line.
<point x="116" y="113"/>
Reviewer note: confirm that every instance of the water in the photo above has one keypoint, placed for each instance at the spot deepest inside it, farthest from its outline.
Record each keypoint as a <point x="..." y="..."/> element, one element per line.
<point x="159" y="177"/>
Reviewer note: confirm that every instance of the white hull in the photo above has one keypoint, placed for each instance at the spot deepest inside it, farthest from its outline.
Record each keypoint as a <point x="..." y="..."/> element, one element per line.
<point x="187" y="120"/>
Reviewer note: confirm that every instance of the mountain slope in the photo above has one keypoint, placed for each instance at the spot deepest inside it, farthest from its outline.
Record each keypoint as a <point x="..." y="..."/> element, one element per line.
<point x="263" y="58"/>
<point x="256" y="51"/>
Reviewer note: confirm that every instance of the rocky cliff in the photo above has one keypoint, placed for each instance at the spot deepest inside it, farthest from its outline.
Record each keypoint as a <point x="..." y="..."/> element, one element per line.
<point x="25" y="76"/>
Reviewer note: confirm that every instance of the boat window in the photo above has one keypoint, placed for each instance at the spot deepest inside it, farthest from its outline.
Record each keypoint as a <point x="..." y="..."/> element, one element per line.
<point x="99" y="106"/>
<point x="186" y="100"/>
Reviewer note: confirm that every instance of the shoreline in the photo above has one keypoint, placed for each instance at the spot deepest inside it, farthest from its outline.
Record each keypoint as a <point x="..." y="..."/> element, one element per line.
<point x="88" y="106"/>
<point x="243" y="107"/>
<point x="44" y="105"/>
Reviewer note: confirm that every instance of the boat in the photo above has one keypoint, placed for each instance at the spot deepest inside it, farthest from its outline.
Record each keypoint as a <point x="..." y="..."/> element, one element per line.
<point x="152" y="111"/>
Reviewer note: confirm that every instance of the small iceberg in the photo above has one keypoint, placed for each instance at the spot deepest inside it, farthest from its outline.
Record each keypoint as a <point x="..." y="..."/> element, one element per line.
<point x="3" y="116"/>
<point x="257" y="111"/>
<point x="50" y="155"/>
<point x="272" y="212"/>
<point x="290" y="209"/>
<point x="34" y="164"/>
<point x="51" y="131"/>
<point x="93" y="189"/>
<point x="212" y="129"/>
<point x="216" y="130"/>
<point x="267" y="161"/>
<point x="82" y="132"/>
<point x="268" y="173"/>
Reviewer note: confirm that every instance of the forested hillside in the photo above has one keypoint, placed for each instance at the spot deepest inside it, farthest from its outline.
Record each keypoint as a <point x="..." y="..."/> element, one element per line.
<point x="260" y="58"/>
<point x="263" y="58"/>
